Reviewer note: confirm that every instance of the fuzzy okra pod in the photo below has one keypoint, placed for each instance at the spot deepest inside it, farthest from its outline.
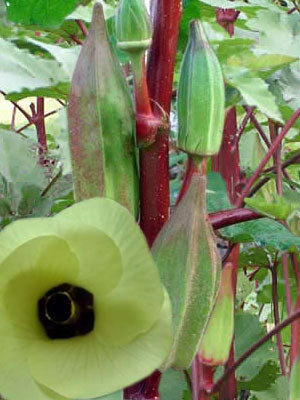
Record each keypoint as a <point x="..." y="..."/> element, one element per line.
<point x="189" y="265"/>
<point x="201" y="98"/>
<point x="101" y="123"/>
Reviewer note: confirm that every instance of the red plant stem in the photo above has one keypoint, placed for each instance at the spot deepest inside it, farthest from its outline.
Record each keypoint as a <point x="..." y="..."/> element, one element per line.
<point x="276" y="319"/>
<point x="13" y="119"/>
<point x="36" y="118"/>
<point x="269" y="154"/>
<point x="277" y="157"/>
<point x="224" y="218"/>
<point x="76" y="40"/>
<point x="295" y="315"/>
<point x="228" y="157"/>
<point x="40" y="125"/>
<point x="288" y="295"/>
<point x="82" y="27"/>
<point x="191" y="168"/>
<point x="146" y="123"/>
<point x="202" y="379"/>
<point x="258" y="127"/>
<point x="154" y="160"/>
<point x="242" y="128"/>
<point x="295" y="327"/>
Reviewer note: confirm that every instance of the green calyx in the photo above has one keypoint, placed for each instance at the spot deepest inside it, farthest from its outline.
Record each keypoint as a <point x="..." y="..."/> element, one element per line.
<point x="133" y="26"/>
<point x="83" y="311"/>
<point x="101" y="123"/>
<point x="201" y="97"/>
<point x="215" y="346"/>
<point x="189" y="265"/>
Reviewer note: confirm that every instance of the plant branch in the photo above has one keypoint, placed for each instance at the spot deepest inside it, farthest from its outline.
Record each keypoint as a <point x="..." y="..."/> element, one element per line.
<point x="52" y="182"/>
<point x="241" y="128"/>
<point x="82" y="27"/>
<point x="36" y="119"/>
<point x="26" y="115"/>
<point x="295" y="315"/>
<point x="276" y="318"/>
<point x="224" y="218"/>
<point x="258" y="128"/>
<point x="269" y="154"/>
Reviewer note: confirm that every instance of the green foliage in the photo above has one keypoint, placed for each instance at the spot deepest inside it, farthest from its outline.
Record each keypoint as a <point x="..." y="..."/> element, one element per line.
<point x="279" y="208"/>
<point x="278" y="391"/>
<point x="172" y="385"/>
<point x="23" y="74"/>
<point x="32" y="12"/>
<point x="247" y="331"/>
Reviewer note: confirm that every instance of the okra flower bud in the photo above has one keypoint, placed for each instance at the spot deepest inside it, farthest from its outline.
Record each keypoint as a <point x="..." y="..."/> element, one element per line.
<point x="133" y="26"/>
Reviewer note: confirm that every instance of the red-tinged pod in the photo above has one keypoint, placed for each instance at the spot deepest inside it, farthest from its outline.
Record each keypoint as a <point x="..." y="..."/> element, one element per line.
<point x="101" y="123"/>
<point x="215" y="346"/>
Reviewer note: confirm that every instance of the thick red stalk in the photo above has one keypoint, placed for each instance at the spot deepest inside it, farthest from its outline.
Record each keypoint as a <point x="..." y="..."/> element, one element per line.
<point x="227" y="161"/>
<point x="154" y="160"/>
<point x="227" y="164"/>
<point x="266" y="158"/>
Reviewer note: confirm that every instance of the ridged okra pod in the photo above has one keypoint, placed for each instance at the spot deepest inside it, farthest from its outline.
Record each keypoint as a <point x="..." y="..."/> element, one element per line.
<point x="201" y="98"/>
<point x="189" y="265"/>
<point x="101" y="123"/>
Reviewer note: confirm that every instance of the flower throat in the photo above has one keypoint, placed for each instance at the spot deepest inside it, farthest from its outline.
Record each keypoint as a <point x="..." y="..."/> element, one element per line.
<point x="66" y="311"/>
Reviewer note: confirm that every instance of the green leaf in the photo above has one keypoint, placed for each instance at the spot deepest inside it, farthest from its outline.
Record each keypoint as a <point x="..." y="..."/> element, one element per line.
<point x="85" y="12"/>
<point x="279" y="208"/>
<point x="264" y="379"/>
<point x="263" y="232"/>
<point x="295" y="381"/>
<point x="21" y="71"/>
<point x="254" y="90"/>
<point x="267" y="23"/>
<point x="278" y="391"/>
<point x="113" y="396"/>
<point x="19" y="163"/>
<point x="216" y="193"/>
<point x="66" y="57"/>
<point x="172" y="385"/>
<point x="247" y="331"/>
<point x="39" y="12"/>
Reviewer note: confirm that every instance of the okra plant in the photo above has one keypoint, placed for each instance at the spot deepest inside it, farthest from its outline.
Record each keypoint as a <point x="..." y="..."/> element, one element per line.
<point x="150" y="200"/>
